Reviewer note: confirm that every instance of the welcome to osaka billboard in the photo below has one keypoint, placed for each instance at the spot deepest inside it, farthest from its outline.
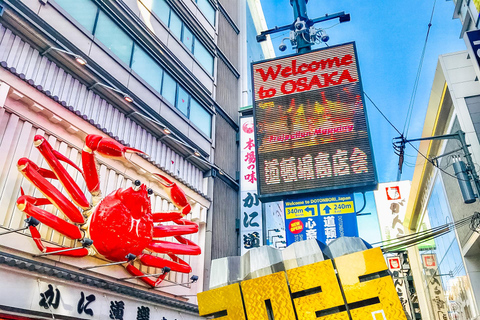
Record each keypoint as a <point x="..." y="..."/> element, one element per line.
<point x="311" y="127"/>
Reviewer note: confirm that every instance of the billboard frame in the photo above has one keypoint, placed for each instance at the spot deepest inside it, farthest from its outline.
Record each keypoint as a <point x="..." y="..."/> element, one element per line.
<point x="352" y="188"/>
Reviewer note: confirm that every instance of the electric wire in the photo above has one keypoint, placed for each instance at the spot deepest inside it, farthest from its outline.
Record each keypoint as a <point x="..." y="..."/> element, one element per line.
<point x="425" y="235"/>
<point x="422" y="234"/>
<point x="416" y="234"/>
<point x="410" y="143"/>
<point x="417" y="79"/>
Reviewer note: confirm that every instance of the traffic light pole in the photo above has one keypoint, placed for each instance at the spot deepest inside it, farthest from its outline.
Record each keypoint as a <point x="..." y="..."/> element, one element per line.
<point x="460" y="136"/>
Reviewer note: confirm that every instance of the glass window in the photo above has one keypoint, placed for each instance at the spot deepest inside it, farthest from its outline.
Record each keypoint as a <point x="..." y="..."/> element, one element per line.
<point x="200" y="117"/>
<point x="147" y="68"/>
<point x="187" y="38"/>
<point x="161" y="9"/>
<point x="182" y="100"/>
<point x="203" y="56"/>
<point x="84" y="11"/>
<point x="208" y="10"/>
<point x="169" y="88"/>
<point x="113" y="37"/>
<point x="175" y="25"/>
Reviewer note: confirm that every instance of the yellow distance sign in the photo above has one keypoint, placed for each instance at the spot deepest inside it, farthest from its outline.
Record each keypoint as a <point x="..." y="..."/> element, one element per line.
<point x="343" y="207"/>
<point x="302" y="211"/>
<point x="316" y="292"/>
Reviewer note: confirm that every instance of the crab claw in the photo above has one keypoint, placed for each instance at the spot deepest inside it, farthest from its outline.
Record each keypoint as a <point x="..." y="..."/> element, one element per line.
<point x="107" y="147"/>
<point x="177" y="195"/>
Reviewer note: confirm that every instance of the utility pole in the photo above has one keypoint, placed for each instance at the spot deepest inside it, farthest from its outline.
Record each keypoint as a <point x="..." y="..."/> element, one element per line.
<point x="303" y="34"/>
<point x="462" y="172"/>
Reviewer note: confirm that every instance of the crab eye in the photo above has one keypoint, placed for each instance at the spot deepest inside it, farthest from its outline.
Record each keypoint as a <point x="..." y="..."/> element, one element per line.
<point x="150" y="191"/>
<point x="136" y="185"/>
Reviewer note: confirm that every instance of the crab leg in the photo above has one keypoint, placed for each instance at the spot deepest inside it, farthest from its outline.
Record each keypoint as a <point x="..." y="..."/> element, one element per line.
<point x="166" y="216"/>
<point x="135" y="272"/>
<point x="183" y="227"/>
<point x="188" y="248"/>
<point x="176" y="194"/>
<point x="106" y="147"/>
<point x="53" y="158"/>
<point x="36" y="176"/>
<point x="80" y="252"/>
<point x="27" y="205"/>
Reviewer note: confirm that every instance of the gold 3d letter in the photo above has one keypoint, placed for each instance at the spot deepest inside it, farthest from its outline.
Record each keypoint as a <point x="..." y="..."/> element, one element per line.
<point x="268" y="295"/>
<point x="225" y="302"/>
<point x="316" y="293"/>
<point x="369" y="290"/>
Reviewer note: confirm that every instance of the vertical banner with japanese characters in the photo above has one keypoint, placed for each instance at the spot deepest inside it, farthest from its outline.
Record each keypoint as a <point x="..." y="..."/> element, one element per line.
<point x="394" y="263"/>
<point x="391" y="201"/>
<point x="321" y="218"/>
<point x="435" y="287"/>
<point x="251" y="208"/>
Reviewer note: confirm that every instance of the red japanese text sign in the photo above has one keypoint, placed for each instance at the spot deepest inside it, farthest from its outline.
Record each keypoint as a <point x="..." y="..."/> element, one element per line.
<point x="311" y="127"/>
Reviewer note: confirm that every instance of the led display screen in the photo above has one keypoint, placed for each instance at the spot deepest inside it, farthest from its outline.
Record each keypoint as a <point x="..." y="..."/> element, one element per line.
<point x="311" y="127"/>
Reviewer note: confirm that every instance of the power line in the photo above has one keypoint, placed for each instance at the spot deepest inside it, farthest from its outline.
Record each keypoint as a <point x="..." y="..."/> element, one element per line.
<point x="417" y="79"/>
<point x="413" y="239"/>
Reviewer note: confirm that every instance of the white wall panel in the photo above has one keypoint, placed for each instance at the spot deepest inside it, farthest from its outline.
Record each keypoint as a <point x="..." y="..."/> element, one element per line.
<point x="16" y="141"/>
<point x="45" y="75"/>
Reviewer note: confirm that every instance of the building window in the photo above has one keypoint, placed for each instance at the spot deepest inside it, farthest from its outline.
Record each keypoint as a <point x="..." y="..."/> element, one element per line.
<point x="200" y="117"/>
<point x="169" y="88"/>
<point x="187" y="38"/>
<point x="208" y="10"/>
<point x="183" y="33"/>
<point x="202" y="55"/>
<point x="175" y="25"/>
<point x="147" y="68"/>
<point x="161" y="9"/>
<point x="182" y="101"/>
<point x="84" y="11"/>
<point x="122" y="45"/>
<point x="113" y="37"/>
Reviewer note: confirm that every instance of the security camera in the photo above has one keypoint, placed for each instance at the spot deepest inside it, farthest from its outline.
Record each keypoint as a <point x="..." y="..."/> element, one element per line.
<point x="300" y="25"/>
<point x="325" y="37"/>
<point x="283" y="46"/>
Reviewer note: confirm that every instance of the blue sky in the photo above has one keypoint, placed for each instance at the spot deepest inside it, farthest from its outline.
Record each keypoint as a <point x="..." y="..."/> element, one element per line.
<point x="389" y="36"/>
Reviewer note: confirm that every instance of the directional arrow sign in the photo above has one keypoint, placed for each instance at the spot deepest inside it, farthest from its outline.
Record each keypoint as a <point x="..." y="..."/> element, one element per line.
<point x="327" y="209"/>
<point x="311" y="210"/>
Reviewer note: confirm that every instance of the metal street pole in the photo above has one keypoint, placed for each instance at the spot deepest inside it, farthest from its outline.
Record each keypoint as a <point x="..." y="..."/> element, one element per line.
<point x="301" y="24"/>
<point x="303" y="34"/>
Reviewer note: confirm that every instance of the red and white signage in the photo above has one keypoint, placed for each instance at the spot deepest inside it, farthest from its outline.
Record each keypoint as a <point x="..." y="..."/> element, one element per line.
<point x="429" y="261"/>
<point x="394" y="264"/>
<point x="251" y="207"/>
<point x="391" y="200"/>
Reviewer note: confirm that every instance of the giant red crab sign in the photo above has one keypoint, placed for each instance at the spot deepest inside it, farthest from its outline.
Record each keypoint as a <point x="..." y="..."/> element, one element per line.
<point x="122" y="225"/>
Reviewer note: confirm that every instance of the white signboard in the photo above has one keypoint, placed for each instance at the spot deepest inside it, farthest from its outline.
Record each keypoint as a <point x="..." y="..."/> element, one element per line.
<point x="435" y="287"/>
<point x="251" y="220"/>
<point x="57" y="298"/>
<point x="391" y="200"/>
<point x="275" y="224"/>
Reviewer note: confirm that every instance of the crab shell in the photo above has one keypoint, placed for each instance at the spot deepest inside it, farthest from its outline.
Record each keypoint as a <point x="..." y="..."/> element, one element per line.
<point x="122" y="223"/>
